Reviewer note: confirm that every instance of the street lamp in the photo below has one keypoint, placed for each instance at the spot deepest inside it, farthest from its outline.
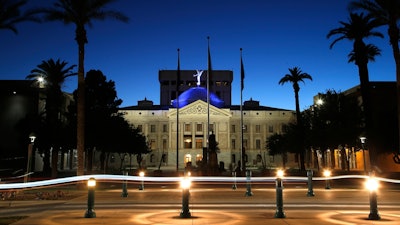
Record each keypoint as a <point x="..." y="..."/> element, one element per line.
<point x="32" y="138"/>
<point x="90" y="203"/>
<point x="185" y="185"/>
<point x="363" y="140"/>
<point x="372" y="185"/>
<point x="141" y="186"/>
<point x="279" y="195"/>
<point x="327" y="174"/>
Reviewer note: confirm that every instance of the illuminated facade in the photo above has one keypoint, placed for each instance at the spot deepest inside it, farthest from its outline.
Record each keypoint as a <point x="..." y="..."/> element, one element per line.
<point x="167" y="125"/>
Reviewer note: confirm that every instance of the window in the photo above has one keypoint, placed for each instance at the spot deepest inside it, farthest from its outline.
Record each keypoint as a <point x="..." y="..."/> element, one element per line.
<point x="164" y="144"/>
<point x="165" y="128"/>
<point x="140" y="128"/>
<point x="199" y="142"/>
<point x="233" y="144"/>
<point x="244" y="128"/>
<point x="187" y="139"/>
<point x="199" y="127"/>
<point x="211" y="127"/>
<point x="258" y="144"/>
<point x="271" y="129"/>
<point x="152" y="144"/>
<point x="187" y="127"/>
<point x="233" y="129"/>
<point x="152" y="128"/>
<point x="258" y="128"/>
<point x="188" y="158"/>
<point x="199" y="158"/>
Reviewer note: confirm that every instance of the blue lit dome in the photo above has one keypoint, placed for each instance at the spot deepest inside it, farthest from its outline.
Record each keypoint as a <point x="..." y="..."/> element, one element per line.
<point x="197" y="93"/>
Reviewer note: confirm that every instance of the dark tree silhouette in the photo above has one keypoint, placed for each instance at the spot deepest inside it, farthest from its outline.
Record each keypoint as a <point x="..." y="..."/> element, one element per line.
<point x="295" y="77"/>
<point x="81" y="13"/>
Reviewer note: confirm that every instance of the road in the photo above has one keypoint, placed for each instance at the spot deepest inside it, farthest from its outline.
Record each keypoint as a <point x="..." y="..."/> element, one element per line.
<point x="213" y="204"/>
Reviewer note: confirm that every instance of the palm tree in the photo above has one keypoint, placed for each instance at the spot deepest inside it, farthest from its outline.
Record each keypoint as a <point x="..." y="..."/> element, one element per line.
<point x="10" y="14"/>
<point x="358" y="28"/>
<point x="387" y="12"/>
<point x="81" y="13"/>
<point x="295" y="76"/>
<point x="53" y="73"/>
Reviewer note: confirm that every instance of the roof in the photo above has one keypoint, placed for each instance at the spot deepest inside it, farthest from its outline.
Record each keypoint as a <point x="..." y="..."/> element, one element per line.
<point x="194" y="94"/>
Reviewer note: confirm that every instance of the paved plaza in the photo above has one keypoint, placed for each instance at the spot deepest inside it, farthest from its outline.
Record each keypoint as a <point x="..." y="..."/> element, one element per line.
<point x="211" y="204"/>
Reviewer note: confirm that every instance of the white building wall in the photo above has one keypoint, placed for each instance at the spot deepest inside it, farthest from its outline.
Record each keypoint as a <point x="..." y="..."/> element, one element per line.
<point x="222" y="120"/>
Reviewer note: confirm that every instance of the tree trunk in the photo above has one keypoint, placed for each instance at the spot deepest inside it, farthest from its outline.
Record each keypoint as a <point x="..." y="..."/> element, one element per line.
<point x="46" y="163"/>
<point x="300" y="137"/>
<point x="54" y="162"/>
<point x="81" y="40"/>
<point x="393" y="33"/>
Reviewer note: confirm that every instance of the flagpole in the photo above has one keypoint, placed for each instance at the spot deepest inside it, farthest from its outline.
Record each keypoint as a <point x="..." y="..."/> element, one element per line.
<point x="242" y="150"/>
<point x="177" y="112"/>
<point x="208" y="95"/>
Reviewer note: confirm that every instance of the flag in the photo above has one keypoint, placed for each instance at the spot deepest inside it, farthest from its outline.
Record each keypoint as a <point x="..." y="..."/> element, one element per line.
<point x="241" y="71"/>
<point x="209" y="69"/>
<point x="178" y="76"/>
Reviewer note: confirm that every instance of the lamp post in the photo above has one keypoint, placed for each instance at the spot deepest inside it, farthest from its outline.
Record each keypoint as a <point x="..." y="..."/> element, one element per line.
<point x="32" y="138"/>
<point x="363" y="139"/>
<point x="327" y="174"/>
<point x="141" y="186"/>
<point x="90" y="203"/>
<point x="185" y="185"/>
<point x="372" y="185"/>
<point x="279" y="195"/>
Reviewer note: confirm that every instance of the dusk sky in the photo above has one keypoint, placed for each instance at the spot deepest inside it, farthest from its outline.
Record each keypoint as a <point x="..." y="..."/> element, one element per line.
<point x="274" y="35"/>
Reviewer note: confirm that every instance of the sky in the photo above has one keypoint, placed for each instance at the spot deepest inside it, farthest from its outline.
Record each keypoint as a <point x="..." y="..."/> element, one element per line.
<point x="274" y="35"/>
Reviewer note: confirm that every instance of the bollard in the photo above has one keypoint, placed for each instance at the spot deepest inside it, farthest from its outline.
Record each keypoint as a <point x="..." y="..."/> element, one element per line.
<point x="124" y="193"/>
<point x="372" y="185"/>
<point x="141" y="186"/>
<point x="248" y="183"/>
<point x="90" y="203"/>
<point x="327" y="174"/>
<point x="185" y="185"/>
<point x="279" y="196"/>
<point x="234" y="187"/>
<point x="310" y="192"/>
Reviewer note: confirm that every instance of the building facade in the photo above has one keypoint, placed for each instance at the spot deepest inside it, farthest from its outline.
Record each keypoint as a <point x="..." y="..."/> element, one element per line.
<point x="180" y="128"/>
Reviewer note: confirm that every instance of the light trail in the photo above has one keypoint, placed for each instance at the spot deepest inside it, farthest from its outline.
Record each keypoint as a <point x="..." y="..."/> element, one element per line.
<point x="104" y="177"/>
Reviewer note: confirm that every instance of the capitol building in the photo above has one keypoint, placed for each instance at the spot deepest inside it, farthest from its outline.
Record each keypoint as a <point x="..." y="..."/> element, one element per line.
<point x="178" y="127"/>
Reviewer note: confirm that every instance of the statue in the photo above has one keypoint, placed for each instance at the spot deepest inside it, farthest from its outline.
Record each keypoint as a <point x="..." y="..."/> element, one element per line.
<point x="198" y="76"/>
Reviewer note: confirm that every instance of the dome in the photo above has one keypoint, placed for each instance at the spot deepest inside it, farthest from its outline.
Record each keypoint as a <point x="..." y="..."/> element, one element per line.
<point x="197" y="93"/>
